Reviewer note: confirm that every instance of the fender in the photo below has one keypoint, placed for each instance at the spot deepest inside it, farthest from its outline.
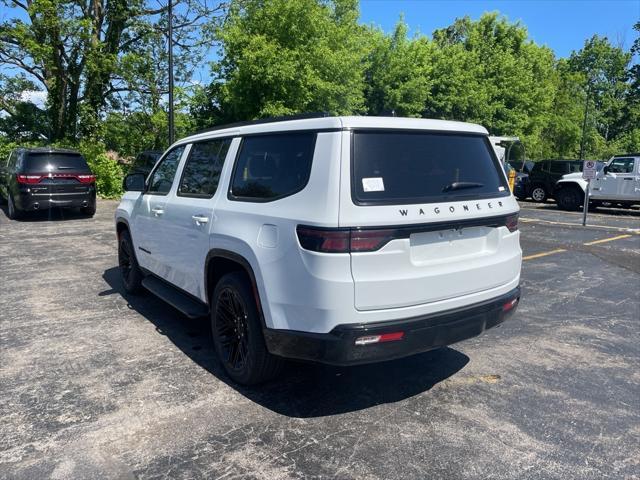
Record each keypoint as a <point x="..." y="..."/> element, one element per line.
<point x="242" y="261"/>
<point x="572" y="179"/>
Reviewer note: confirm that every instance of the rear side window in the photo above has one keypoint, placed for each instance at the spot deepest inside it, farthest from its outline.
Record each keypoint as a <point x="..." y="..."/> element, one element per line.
<point x="201" y="173"/>
<point x="422" y="167"/>
<point x="45" y="162"/>
<point x="270" y="167"/>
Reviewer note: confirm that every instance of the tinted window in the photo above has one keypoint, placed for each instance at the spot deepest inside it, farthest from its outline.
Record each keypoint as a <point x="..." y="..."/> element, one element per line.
<point x="162" y="177"/>
<point x="55" y="162"/>
<point x="273" y="166"/>
<point x="575" y="167"/>
<point x="202" y="171"/>
<point x="423" y="167"/>
<point x="621" y="165"/>
<point x="559" y="167"/>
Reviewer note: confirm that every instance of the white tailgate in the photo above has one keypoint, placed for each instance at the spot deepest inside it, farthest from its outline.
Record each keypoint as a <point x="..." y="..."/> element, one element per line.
<point x="433" y="266"/>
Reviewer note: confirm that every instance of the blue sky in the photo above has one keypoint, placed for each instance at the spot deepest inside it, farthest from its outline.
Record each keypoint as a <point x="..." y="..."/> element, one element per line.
<point x="562" y="25"/>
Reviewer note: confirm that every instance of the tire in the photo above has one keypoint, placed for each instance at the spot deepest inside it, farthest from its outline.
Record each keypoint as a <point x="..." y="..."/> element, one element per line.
<point x="89" y="210"/>
<point x="129" y="269"/>
<point x="539" y="194"/>
<point x="13" y="212"/>
<point x="569" y="198"/>
<point x="236" y="329"/>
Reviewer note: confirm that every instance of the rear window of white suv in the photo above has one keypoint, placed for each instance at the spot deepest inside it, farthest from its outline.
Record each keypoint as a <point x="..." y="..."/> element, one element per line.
<point x="423" y="167"/>
<point x="272" y="166"/>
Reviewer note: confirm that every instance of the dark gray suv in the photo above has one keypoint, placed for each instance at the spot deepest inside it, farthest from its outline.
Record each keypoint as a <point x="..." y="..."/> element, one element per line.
<point x="41" y="178"/>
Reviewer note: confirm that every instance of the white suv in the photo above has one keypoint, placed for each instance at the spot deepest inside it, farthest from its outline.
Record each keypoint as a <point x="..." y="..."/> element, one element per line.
<point x="617" y="183"/>
<point x="342" y="240"/>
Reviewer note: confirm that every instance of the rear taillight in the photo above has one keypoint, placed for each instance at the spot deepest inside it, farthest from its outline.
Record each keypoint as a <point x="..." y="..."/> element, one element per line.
<point x="346" y="240"/>
<point x="28" y="179"/>
<point x="324" y="240"/>
<point x="86" y="178"/>
<point x="370" y="240"/>
<point x="32" y="179"/>
<point x="512" y="222"/>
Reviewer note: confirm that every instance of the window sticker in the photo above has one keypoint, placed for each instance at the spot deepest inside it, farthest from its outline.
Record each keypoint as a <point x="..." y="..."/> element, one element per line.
<point x="373" y="184"/>
<point x="501" y="189"/>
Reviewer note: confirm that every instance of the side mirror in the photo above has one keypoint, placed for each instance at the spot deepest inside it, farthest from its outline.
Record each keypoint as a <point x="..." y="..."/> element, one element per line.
<point x="605" y="170"/>
<point x="134" y="182"/>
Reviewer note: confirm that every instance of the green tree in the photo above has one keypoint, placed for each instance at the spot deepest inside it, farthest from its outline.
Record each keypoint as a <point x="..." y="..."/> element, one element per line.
<point x="20" y="119"/>
<point x="82" y="51"/>
<point x="398" y="74"/>
<point x="281" y="57"/>
<point x="489" y="71"/>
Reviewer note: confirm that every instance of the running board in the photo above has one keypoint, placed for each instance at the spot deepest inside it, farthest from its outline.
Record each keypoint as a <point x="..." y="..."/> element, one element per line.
<point x="189" y="306"/>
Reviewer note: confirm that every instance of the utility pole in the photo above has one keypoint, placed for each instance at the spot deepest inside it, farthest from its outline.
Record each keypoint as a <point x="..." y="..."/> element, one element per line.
<point x="170" y="40"/>
<point x="584" y="122"/>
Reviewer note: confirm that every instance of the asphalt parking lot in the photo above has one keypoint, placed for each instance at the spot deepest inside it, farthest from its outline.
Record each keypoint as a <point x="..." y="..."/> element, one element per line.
<point x="94" y="384"/>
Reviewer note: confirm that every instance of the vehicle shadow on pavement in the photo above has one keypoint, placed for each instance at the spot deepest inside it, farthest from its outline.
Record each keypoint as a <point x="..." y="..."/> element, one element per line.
<point x="303" y="390"/>
<point x="48" y="215"/>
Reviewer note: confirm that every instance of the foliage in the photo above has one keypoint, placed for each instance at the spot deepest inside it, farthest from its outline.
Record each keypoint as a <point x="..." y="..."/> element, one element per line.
<point x="281" y="57"/>
<point x="87" y="54"/>
<point x="399" y="73"/>
<point x="103" y="64"/>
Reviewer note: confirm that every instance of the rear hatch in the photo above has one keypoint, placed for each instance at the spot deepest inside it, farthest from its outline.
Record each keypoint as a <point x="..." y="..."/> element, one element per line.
<point x="56" y="173"/>
<point x="431" y="218"/>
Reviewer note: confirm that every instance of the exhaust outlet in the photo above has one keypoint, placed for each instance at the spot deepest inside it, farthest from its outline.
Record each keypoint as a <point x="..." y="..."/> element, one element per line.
<point x="36" y="206"/>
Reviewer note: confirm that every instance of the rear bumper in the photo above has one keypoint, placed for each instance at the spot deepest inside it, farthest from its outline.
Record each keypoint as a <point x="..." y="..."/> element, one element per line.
<point x="34" y="201"/>
<point x="420" y="334"/>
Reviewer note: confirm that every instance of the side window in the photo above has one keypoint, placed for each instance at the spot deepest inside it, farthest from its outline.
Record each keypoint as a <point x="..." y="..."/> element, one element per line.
<point x="575" y="167"/>
<point x="621" y="165"/>
<point x="162" y="178"/>
<point x="558" y="167"/>
<point x="273" y="166"/>
<point x="202" y="171"/>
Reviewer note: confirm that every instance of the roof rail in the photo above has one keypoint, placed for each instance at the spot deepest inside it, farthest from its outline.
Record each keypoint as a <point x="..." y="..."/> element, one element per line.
<point x="284" y="118"/>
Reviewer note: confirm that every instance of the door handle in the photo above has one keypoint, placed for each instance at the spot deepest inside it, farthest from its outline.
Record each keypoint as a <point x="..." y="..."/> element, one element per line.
<point x="200" y="219"/>
<point x="157" y="211"/>
<point x="628" y="178"/>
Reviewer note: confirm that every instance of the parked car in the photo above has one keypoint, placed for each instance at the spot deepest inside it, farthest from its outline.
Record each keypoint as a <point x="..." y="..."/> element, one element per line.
<point x="543" y="177"/>
<point x="145" y="161"/>
<point x="523" y="169"/>
<point x="342" y="240"/>
<point x="617" y="183"/>
<point x="42" y="178"/>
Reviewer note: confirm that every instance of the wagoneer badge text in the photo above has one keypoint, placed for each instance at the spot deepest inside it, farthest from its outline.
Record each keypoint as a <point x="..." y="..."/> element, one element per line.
<point x="463" y="208"/>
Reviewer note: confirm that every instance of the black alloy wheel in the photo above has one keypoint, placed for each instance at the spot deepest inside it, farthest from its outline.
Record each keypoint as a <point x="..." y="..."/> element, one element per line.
<point x="129" y="269"/>
<point x="236" y="328"/>
<point x="232" y="329"/>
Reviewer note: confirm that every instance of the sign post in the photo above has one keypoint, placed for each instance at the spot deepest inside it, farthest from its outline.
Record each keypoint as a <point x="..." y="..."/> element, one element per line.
<point x="589" y="173"/>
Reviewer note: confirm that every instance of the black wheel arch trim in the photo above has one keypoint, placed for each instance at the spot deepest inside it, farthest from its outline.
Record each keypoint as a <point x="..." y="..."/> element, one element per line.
<point x="123" y="221"/>
<point x="244" y="263"/>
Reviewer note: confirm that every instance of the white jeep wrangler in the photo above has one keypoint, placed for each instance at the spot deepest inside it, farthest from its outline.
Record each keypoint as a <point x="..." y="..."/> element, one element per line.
<point x="342" y="240"/>
<point x="617" y="184"/>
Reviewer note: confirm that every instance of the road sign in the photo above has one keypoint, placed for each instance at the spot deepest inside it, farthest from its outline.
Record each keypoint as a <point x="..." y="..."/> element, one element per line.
<point x="589" y="170"/>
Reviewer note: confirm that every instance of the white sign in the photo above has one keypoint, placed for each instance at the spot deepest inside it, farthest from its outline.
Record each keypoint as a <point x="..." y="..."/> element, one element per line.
<point x="589" y="170"/>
